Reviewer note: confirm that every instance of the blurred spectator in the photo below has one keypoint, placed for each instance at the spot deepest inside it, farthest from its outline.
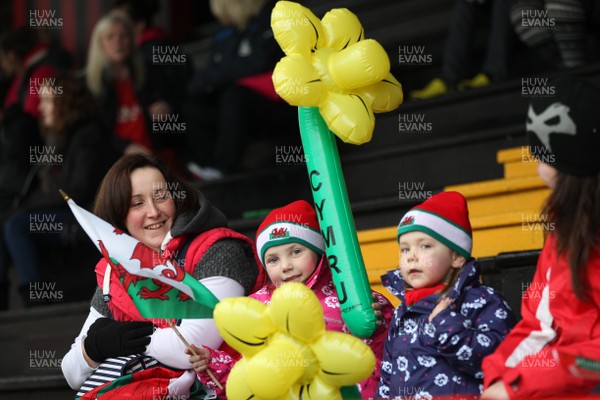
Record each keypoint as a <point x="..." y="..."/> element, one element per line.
<point x="166" y="68"/>
<point x="555" y="29"/>
<point x="115" y="77"/>
<point x="232" y="98"/>
<point x="75" y="155"/>
<point x="24" y="61"/>
<point x="147" y="34"/>
<point x="126" y="96"/>
<point x="458" y="48"/>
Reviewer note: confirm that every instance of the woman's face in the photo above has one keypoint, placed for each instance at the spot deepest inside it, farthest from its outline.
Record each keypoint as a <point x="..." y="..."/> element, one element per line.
<point x="115" y="43"/>
<point x="152" y="210"/>
<point x="46" y="107"/>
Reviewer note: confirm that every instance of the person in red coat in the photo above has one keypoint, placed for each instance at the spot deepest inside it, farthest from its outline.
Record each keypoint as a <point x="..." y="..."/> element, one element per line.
<point x="545" y="354"/>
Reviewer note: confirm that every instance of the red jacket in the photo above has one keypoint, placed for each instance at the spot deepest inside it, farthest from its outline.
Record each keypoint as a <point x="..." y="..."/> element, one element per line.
<point x="534" y="358"/>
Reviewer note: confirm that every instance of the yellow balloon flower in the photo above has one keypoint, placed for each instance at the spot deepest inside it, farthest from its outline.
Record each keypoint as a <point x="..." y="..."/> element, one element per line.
<point x="329" y="64"/>
<point x="286" y="351"/>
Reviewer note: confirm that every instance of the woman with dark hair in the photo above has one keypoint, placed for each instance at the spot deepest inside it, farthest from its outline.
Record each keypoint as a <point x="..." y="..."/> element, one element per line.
<point x="74" y="156"/>
<point x="559" y="335"/>
<point x="144" y="199"/>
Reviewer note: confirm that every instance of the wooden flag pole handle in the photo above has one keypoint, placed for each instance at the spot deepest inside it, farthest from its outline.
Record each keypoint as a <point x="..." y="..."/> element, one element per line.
<point x="185" y="342"/>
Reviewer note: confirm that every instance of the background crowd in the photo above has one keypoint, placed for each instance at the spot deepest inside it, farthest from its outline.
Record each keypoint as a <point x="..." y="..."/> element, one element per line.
<point x="104" y="134"/>
<point x="62" y="127"/>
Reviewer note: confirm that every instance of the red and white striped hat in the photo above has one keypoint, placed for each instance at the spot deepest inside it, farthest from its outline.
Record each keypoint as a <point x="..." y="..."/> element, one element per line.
<point x="445" y="217"/>
<point x="294" y="223"/>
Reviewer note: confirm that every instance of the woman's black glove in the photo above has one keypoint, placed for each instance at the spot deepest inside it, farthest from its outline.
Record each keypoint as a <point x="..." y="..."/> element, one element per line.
<point x="109" y="338"/>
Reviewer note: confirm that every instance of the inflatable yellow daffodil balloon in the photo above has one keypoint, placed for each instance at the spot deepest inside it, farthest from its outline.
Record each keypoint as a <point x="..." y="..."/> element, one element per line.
<point x="330" y="65"/>
<point x="338" y="79"/>
<point x="286" y="351"/>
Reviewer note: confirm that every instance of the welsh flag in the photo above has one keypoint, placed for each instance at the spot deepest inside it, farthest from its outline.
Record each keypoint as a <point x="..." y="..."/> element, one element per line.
<point x="158" y="286"/>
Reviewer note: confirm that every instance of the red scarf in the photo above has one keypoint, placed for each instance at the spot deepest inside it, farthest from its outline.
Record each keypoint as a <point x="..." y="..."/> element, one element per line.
<point x="414" y="295"/>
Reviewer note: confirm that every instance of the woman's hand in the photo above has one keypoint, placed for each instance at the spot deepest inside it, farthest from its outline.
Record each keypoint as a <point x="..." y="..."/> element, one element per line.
<point x="200" y="361"/>
<point x="109" y="338"/>
<point x="496" y="391"/>
<point x="91" y="363"/>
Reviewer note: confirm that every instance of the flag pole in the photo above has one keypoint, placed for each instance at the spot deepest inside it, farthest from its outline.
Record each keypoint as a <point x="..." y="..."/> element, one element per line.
<point x="65" y="196"/>
<point x="191" y="349"/>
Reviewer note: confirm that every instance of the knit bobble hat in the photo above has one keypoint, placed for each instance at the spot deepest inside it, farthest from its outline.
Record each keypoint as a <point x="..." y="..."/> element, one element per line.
<point x="564" y="129"/>
<point x="445" y="217"/>
<point x="295" y="223"/>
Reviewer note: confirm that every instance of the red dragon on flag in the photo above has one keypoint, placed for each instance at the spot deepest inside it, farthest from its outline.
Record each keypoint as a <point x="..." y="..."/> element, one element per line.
<point x="158" y="287"/>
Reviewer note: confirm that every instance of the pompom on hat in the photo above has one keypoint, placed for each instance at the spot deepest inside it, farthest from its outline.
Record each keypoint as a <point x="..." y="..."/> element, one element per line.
<point x="294" y="223"/>
<point x="445" y="217"/>
<point x="563" y="129"/>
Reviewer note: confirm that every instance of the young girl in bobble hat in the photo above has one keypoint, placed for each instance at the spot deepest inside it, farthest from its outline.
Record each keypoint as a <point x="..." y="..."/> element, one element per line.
<point x="291" y="249"/>
<point x="447" y="321"/>
<point x="561" y="308"/>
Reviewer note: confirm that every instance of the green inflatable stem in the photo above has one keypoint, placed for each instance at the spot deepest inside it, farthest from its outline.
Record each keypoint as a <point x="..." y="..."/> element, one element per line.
<point x="337" y="224"/>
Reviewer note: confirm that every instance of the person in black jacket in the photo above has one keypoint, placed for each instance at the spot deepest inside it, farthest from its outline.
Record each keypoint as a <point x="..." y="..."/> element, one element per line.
<point x="167" y="69"/>
<point x="232" y="99"/>
<point x="74" y="156"/>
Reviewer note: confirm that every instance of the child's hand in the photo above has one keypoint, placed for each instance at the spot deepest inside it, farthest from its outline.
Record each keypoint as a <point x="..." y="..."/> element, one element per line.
<point x="199" y="362"/>
<point x="377" y="309"/>
<point x="441" y="306"/>
<point x="496" y="391"/>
